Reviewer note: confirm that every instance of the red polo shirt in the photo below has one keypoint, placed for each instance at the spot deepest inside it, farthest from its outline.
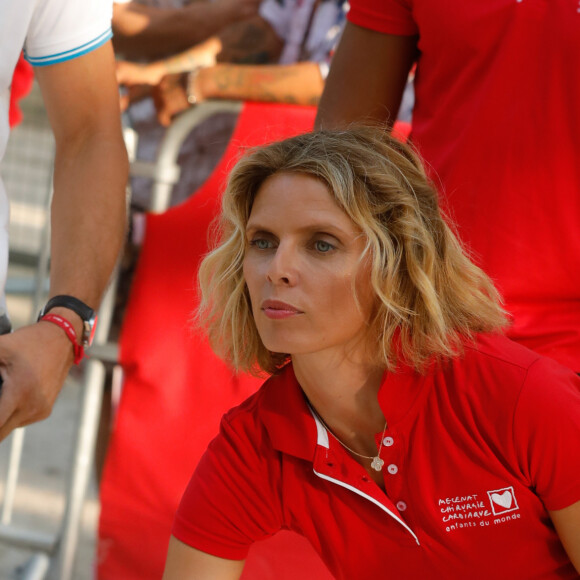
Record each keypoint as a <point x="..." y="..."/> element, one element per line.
<point x="497" y="119"/>
<point x="475" y="452"/>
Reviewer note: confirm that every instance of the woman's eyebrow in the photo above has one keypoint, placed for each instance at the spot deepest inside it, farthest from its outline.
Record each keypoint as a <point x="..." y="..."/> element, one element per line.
<point x="254" y="228"/>
<point x="314" y="227"/>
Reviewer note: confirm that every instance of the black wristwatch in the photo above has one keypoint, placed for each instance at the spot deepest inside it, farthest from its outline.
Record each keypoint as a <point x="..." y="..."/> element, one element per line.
<point x="86" y="313"/>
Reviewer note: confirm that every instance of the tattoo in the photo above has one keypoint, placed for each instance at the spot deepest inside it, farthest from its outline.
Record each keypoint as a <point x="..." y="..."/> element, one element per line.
<point x="226" y="79"/>
<point x="271" y="84"/>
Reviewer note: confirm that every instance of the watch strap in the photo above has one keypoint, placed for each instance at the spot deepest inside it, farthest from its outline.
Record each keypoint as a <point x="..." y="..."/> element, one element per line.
<point x="85" y="312"/>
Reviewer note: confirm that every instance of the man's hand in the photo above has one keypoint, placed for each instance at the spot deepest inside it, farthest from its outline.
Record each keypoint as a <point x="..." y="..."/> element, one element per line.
<point x="133" y="95"/>
<point x="170" y="97"/>
<point x="34" y="362"/>
<point x="131" y="73"/>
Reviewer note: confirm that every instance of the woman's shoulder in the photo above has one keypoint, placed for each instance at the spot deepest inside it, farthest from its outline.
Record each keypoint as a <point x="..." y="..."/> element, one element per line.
<point x="499" y="360"/>
<point x="280" y="394"/>
<point x="496" y="381"/>
<point x="275" y="386"/>
<point x="496" y="350"/>
<point x="498" y="374"/>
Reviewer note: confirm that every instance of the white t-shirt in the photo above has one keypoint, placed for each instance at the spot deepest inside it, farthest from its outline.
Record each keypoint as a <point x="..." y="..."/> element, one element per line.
<point x="49" y="31"/>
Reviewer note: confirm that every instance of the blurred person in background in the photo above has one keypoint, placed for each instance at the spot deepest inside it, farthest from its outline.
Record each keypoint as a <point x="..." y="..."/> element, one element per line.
<point x="156" y="28"/>
<point x="152" y="29"/>
<point x="280" y="55"/>
<point x="497" y="120"/>
<point x="68" y="43"/>
<point x="291" y="29"/>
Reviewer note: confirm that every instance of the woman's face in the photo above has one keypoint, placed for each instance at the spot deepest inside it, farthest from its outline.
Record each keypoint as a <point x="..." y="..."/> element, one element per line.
<point x="303" y="254"/>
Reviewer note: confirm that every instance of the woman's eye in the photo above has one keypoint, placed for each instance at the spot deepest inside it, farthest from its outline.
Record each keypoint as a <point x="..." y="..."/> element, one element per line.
<point x="323" y="247"/>
<point x="261" y="244"/>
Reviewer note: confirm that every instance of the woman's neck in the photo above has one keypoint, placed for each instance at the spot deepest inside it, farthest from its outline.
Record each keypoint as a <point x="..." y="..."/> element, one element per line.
<point x="344" y="393"/>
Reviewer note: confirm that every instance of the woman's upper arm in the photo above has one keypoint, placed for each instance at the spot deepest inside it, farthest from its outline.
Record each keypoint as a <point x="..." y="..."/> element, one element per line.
<point x="567" y="524"/>
<point x="187" y="563"/>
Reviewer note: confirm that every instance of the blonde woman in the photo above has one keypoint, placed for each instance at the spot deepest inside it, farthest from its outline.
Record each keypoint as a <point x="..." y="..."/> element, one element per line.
<point x="400" y="432"/>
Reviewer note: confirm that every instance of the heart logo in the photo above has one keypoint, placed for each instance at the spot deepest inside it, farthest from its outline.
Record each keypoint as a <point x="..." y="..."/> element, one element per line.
<point x="503" y="499"/>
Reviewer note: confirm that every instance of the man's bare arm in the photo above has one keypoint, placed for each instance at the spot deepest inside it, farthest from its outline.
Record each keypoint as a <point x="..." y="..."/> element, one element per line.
<point x="88" y="224"/>
<point x="252" y="41"/>
<point x="298" y="84"/>
<point x="367" y="78"/>
<point x="88" y="208"/>
<point x="149" y="32"/>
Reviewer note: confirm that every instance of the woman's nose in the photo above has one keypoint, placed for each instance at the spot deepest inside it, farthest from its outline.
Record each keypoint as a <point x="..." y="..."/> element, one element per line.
<point x="283" y="266"/>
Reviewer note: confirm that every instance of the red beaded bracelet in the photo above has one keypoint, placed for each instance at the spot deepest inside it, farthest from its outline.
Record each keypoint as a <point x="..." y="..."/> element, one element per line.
<point x="79" y="351"/>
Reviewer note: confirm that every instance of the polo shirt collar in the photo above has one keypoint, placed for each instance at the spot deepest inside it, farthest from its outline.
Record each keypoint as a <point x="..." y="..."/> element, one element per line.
<point x="286" y="416"/>
<point x="400" y="393"/>
<point x="291" y="425"/>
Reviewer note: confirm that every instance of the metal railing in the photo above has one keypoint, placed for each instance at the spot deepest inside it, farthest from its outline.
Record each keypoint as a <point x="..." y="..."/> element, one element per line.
<point x="54" y="554"/>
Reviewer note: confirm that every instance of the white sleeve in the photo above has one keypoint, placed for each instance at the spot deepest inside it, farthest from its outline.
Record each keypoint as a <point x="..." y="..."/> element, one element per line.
<point x="61" y="30"/>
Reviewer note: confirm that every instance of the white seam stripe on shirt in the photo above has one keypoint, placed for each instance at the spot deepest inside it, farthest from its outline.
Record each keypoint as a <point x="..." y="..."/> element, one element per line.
<point x="373" y="500"/>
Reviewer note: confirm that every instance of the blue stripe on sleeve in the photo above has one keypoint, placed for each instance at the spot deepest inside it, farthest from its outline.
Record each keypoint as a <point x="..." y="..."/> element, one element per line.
<point x="72" y="53"/>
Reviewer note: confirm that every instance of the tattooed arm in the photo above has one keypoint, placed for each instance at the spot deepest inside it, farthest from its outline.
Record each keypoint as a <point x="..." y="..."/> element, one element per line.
<point x="299" y="84"/>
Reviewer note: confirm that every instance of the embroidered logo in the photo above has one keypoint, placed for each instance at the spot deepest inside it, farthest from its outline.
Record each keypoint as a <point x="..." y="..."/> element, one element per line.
<point x="502" y="501"/>
<point x="473" y="511"/>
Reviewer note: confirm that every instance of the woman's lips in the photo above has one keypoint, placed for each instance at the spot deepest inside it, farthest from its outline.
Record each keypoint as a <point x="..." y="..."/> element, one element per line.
<point x="278" y="310"/>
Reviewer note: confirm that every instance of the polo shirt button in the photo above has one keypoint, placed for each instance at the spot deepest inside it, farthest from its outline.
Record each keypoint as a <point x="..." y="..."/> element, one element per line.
<point x="401" y="506"/>
<point x="392" y="469"/>
<point x="388" y="441"/>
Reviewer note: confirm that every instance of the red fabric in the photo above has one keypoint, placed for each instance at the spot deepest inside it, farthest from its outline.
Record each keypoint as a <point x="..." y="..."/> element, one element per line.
<point x="497" y="119"/>
<point x="60" y="321"/>
<point x="20" y="87"/>
<point x="176" y="389"/>
<point x="476" y="450"/>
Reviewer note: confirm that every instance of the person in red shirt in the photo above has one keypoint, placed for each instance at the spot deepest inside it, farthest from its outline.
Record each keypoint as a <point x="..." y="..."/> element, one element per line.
<point x="400" y="432"/>
<point x="497" y="122"/>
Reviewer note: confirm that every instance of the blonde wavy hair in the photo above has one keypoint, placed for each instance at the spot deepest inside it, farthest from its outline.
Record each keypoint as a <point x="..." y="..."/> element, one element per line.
<point x="430" y="296"/>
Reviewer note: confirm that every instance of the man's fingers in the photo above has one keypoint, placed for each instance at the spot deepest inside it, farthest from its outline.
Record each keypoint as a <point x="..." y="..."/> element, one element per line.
<point x="9" y="426"/>
<point x="19" y="407"/>
<point x="7" y="402"/>
<point x="123" y="102"/>
<point x="8" y="410"/>
<point x="164" y="118"/>
<point x="19" y="419"/>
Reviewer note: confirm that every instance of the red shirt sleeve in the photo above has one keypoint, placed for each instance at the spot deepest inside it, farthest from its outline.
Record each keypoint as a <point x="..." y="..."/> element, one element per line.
<point x="547" y="433"/>
<point x="388" y="16"/>
<point x="231" y="500"/>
